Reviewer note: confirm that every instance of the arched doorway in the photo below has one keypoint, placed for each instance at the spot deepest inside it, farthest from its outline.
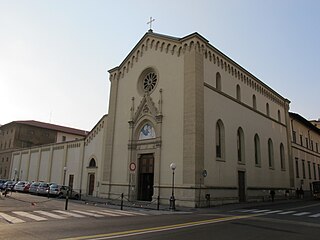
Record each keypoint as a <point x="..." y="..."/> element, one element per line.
<point x="91" y="179"/>
<point x="146" y="177"/>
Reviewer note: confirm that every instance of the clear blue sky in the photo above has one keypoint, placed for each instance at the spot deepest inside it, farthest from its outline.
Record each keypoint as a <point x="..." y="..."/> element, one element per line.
<point x="54" y="55"/>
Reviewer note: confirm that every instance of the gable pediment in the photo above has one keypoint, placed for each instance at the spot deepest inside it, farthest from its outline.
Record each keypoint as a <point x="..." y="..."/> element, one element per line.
<point x="146" y="107"/>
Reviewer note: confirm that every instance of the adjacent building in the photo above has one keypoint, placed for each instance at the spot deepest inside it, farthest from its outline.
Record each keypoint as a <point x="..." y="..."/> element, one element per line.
<point x="23" y="134"/>
<point x="305" y="140"/>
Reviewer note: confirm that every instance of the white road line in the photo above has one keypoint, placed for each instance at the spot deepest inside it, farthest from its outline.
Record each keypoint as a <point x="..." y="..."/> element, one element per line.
<point x="288" y="212"/>
<point x="122" y="212"/>
<point x="69" y="214"/>
<point x="29" y="215"/>
<point x="247" y="210"/>
<point x="261" y="211"/>
<point x="10" y="218"/>
<point x="50" y="214"/>
<point x="275" y="211"/>
<point x="87" y="213"/>
<point x="315" y="215"/>
<point x="301" y="214"/>
<point x="106" y="213"/>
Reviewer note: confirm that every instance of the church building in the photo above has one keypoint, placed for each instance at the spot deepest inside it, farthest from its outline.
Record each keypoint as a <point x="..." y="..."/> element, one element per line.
<point x="186" y="120"/>
<point x="182" y="101"/>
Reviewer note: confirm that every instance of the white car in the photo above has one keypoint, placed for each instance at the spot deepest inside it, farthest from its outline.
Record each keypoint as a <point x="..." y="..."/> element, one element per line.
<point x="19" y="187"/>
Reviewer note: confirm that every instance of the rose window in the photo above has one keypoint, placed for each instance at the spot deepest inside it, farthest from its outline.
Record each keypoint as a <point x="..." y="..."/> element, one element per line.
<point x="149" y="82"/>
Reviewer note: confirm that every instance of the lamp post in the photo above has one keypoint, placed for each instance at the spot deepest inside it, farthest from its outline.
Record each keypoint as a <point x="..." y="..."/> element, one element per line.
<point x="64" y="175"/>
<point x="15" y="174"/>
<point x="172" y="199"/>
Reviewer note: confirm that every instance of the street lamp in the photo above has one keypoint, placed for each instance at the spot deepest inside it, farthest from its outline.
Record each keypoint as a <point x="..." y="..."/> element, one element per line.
<point x="172" y="199"/>
<point x="64" y="175"/>
<point x="15" y="174"/>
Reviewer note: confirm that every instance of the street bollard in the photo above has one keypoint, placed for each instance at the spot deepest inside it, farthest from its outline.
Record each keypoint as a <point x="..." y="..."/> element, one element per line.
<point x="67" y="199"/>
<point x="158" y="202"/>
<point x="121" y="201"/>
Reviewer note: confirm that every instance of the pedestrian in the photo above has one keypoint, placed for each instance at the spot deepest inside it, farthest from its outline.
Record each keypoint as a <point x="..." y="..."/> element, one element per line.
<point x="272" y="193"/>
<point x="297" y="193"/>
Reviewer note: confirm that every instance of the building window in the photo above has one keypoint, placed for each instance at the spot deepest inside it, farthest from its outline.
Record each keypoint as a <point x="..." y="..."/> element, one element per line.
<point x="309" y="170"/>
<point x="294" y="136"/>
<point x="314" y="172"/>
<point x="240" y="145"/>
<point x="238" y="93"/>
<point x="64" y="138"/>
<point x="150" y="82"/>
<point x="270" y="153"/>
<point x="311" y="145"/>
<point x="254" y="102"/>
<point x="318" y="171"/>
<point x="218" y="81"/>
<point x="307" y="145"/>
<point x="297" y="168"/>
<point x="301" y="142"/>
<point x="92" y="163"/>
<point x="219" y="140"/>
<point x="257" y="153"/>
<point x="317" y="147"/>
<point x="279" y="116"/>
<point x="268" y="109"/>
<point x="282" y="157"/>
<point x="303" y="170"/>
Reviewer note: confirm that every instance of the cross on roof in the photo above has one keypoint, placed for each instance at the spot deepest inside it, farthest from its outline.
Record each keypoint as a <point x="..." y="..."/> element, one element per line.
<point x="150" y="23"/>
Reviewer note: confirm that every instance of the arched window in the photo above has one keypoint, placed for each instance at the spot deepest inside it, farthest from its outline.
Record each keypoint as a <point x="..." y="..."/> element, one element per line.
<point x="92" y="163"/>
<point x="240" y="145"/>
<point x="279" y="116"/>
<point x="218" y="81"/>
<point x="220" y="140"/>
<point x="254" y="102"/>
<point x="282" y="157"/>
<point x="270" y="153"/>
<point x="238" y="93"/>
<point x="257" y="153"/>
<point x="268" y="109"/>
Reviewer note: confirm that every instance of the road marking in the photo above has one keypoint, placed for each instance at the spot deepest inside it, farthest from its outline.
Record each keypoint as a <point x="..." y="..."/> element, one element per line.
<point x="315" y="215"/>
<point x="87" y="213"/>
<point x="275" y="211"/>
<point x="10" y="219"/>
<point x="105" y="213"/>
<point x="159" y="229"/>
<point x="288" y="212"/>
<point x="69" y="214"/>
<point x="261" y="211"/>
<point x="29" y="215"/>
<point x="246" y="210"/>
<point x="122" y="212"/>
<point x="50" y="214"/>
<point x="301" y="214"/>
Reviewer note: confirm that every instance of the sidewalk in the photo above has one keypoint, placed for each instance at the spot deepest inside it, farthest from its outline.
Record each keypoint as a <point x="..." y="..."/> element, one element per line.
<point x="163" y="207"/>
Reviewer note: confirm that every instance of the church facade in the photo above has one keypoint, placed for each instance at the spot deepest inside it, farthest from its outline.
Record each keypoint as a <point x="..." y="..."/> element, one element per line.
<point x="181" y="101"/>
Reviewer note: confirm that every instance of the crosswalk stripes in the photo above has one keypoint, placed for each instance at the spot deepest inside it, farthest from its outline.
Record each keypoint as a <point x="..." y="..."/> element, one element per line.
<point x="40" y="215"/>
<point x="69" y="213"/>
<point x="10" y="219"/>
<point x="87" y="213"/>
<point x="29" y="215"/>
<point x="279" y="212"/>
<point x="49" y="214"/>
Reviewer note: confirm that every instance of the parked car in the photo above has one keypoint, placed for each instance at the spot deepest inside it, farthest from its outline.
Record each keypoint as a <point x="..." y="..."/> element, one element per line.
<point x="61" y="191"/>
<point x="34" y="187"/>
<point x="2" y="182"/>
<point x="20" y="186"/>
<point x="43" y="188"/>
<point x="9" y="185"/>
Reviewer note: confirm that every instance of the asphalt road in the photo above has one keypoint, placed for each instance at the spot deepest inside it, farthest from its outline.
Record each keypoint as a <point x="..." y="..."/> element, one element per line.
<point x="297" y="219"/>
